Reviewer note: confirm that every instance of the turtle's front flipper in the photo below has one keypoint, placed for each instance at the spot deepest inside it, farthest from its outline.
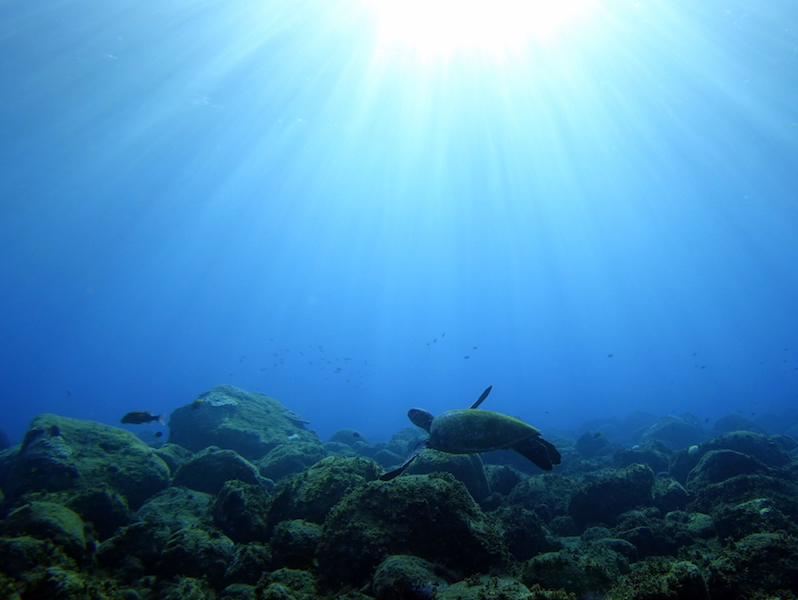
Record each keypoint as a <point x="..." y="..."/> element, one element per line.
<point x="539" y="451"/>
<point x="398" y="471"/>
<point x="482" y="397"/>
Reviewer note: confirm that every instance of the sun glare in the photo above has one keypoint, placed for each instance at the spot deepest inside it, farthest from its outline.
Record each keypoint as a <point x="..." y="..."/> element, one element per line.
<point x="442" y="26"/>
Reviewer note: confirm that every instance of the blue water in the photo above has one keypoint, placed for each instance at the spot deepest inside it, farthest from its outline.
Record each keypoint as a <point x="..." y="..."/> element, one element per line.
<point x="600" y="220"/>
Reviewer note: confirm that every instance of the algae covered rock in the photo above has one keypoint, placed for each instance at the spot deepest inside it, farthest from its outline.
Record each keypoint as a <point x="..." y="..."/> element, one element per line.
<point x="489" y="587"/>
<point x="761" y="565"/>
<point x="250" y="424"/>
<point x="675" y="432"/>
<point x="210" y="469"/>
<point x="604" y="497"/>
<point x="434" y="518"/>
<point x="312" y="494"/>
<point x="293" y="544"/>
<point x="240" y="511"/>
<point x="466" y="467"/>
<point x="48" y="521"/>
<point x="663" y="579"/>
<point x="401" y="577"/>
<point x="586" y="574"/>
<point x="178" y="507"/>
<point x="60" y="454"/>
<point x="196" y="553"/>
<point x="292" y="457"/>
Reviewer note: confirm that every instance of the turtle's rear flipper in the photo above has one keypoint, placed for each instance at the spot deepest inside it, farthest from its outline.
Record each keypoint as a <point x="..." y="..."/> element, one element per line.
<point x="539" y="451"/>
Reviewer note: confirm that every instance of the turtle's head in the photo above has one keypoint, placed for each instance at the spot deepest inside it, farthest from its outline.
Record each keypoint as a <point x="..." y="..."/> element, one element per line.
<point x="420" y="418"/>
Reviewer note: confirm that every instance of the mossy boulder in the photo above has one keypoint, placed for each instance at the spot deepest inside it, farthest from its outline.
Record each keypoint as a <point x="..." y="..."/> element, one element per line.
<point x="760" y="565"/>
<point x="197" y="553"/>
<point x="208" y="471"/>
<point x="584" y="573"/>
<point x="248" y="423"/>
<point x="240" y="510"/>
<point x="287" y="459"/>
<point x="663" y="579"/>
<point x="313" y="493"/>
<point x="60" y="454"/>
<point x="293" y="544"/>
<point x="178" y="508"/>
<point x="48" y="521"/>
<point x="490" y="587"/>
<point x="432" y="517"/>
<point x="602" y="498"/>
<point x="466" y="467"/>
<point x="401" y="577"/>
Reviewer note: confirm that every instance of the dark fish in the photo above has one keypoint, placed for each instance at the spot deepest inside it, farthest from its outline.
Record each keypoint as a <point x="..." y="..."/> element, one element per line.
<point x="139" y="417"/>
<point x="157" y="434"/>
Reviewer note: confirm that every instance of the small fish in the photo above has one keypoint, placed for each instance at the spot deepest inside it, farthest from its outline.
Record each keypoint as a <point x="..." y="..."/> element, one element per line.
<point x="610" y="355"/>
<point x="157" y="434"/>
<point x="197" y="403"/>
<point x="139" y="417"/>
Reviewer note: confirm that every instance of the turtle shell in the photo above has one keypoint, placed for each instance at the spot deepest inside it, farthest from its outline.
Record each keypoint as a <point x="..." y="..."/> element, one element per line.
<point x="472" y="430"/>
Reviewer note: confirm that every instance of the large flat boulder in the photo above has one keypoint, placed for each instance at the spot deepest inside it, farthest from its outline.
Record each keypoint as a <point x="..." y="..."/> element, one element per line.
<point x="70" y="456"/>
<point x="233" y="419"/>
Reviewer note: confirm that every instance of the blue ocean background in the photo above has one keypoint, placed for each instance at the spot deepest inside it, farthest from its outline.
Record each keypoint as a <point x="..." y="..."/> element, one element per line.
<point x="596" y="219"/>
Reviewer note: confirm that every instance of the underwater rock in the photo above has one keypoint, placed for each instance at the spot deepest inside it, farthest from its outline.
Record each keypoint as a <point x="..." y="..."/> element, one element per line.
<point x="173" y="455"/>
<point x="350" y="437"/>
<point x="177" y="508"/>
<point x="669" y="495"/>
<point x="290" y="458"/>
<point x="386" y="459"/>
<point x="522" y="532"/>
<point x="587" y="574"/>
<point x="653" y="453"/>
<point x="466" y="467"/>
<point x="210" y="469"/>
<point x="431" y="517"/>
<point x="293" y="544"/>
<point x="197" y="553"/>
<point x="250" y="424"/>
<point x="288" y="584"/>
<point x="763" y="448"/>
<point x="62" y="454"/>
<point x="48" y="521"/>
<point x="133" y="551"/>
<point x="23" y="554"/>
<point x="661" y="579"/>
<point x="185" y="588"/>
<point x="761" y="565"/>
<point x="719" y="465"/>
<point x="403" y="577"/>
<point x="546" y="494"/>
<point x="675" y="432"/>
<point x="240" y="511"/>
<point x="313" y="493"/>
<point x="594" y="444"/>
<point x="249" y="562"/>
<point x="502" y="478"/>
<point x="488" y="587"/>
<point x="735" y="422"/>
<point x="604" y="497"/>
<point x="755" y="516"/>
<point x="103" y="508"/>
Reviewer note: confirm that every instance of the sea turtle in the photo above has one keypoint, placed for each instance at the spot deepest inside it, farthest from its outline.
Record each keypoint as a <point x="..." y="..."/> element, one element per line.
<point x="472" y="430"/>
